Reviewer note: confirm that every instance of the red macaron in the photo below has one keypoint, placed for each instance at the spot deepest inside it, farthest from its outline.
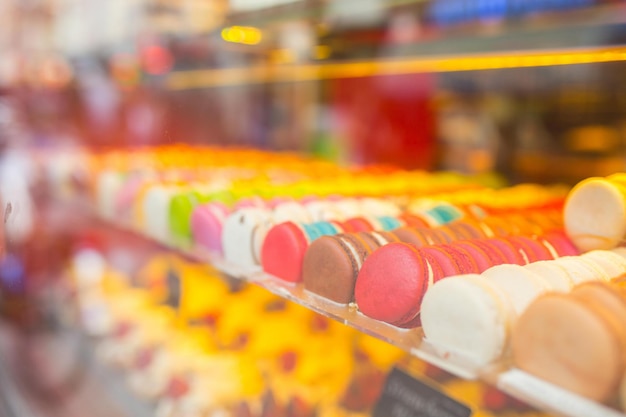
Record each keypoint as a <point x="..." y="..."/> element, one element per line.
<point x="283" y="251"/>
<point x="392" y="283"/>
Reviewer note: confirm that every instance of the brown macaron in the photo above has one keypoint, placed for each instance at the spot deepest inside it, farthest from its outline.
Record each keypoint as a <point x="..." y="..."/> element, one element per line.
<point x="412" y="236"/>
<point x="331" y="265"/>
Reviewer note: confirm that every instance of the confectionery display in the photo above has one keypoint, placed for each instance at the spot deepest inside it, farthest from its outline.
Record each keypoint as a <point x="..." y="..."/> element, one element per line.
<point x="203" y="354"/>
<point x="477" y="279"/>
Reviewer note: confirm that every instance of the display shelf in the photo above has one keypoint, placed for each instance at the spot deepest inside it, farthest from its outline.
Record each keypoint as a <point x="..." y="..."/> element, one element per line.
<point x="534" y="392"/>
<point x="549" y="397"/>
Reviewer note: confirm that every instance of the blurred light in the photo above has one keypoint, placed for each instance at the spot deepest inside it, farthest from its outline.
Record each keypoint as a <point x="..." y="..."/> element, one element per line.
<point x="281" y="56"/>
<point x="321" y="51"/>
<point x="445" y="12"/>
<point x="54" y="73"/>
<point x="156" y="60"/>
<point x="233" y="76"/>
<point x="125" y="70"/>
<point x="12" y="274"/>
<point x="242" y="34"/>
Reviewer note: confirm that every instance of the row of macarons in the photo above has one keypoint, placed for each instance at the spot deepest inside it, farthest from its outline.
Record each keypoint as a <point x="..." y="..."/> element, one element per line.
<point x="240" y="235"/>
<point x="165" y="211"/>
<point x="492" y="316"/>
<point x="389" y="282"/>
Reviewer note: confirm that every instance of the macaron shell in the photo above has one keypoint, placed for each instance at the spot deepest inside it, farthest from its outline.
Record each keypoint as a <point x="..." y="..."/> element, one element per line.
<point x="496" y="257"/>
<point x="480" y="257"/>
<point x="410" y="235"/>
<point x="560" y="243"/>
<point x="466" y="262"/>
<point x="579" y="269"/>
<point x="595" y="214"/>
<point x="442" y="258"/>
<point x="612" y="264"/>
<point x="521" y="285"/>
<point x="206" y="227"/>
<point x="330" y="269"/>
<point x="237" y="235"/>
<point x="463" y="315"/>
<point x="561" y="340"/>
<point x="283" y="251"/>
<point x="391" y="284"/>
<point x="555" y="275"/>
<point x="413" y="220"/>
<point x="511" y="254"/>
<point x="533" y="249"/>
<point x="258" y="238"/>
<point x="359" y="224"/>
<point x="606" y="295"/>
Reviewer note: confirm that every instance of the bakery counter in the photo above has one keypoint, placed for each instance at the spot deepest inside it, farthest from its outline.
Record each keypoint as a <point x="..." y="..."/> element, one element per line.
<point x="375" y="260"/>
<point x="533" y="392"/>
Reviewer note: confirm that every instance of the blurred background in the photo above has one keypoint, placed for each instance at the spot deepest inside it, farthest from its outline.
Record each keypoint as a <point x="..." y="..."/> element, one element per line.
<point x="529" y="90"/>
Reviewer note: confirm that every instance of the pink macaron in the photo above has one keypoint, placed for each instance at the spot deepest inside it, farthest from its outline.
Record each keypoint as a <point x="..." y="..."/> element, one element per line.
<point x="206" y="225"/>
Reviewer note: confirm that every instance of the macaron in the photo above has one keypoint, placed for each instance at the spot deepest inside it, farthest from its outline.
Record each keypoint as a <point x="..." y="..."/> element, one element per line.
<point x="154" y="209"/>
<point x="108" y="184"/>
<point x="558" y="244"/>
<point x="331" y="266"/>
<point x="180" y="210"/>
<point x="238" y="235"/>
<point x="521" y="285"/>
<point x="452" y="261"/>
<point x="206" y="225"/>
<point x="594" y="214"/>
<point x="511" y="254"/>
<point x="412" y="220"/>
<point x="358" y="224"/>
<point x="283" y="251"/>
<point x="389" y="223"/>
<point x="391" y="284"/>
<point x="481" y="258"/>
<point x="571" y="343"/>
<point x="611" y="263"/>
<point x="556" y="275"/>
<point x="580" y="269"/>
<point x="530" y="249"/>
<point x="376" y="239"/>
<point x="412" y="236"/>
<point x="609" y="296"/>
<point x="495" y="255"/>
<point x="467" y="316"/>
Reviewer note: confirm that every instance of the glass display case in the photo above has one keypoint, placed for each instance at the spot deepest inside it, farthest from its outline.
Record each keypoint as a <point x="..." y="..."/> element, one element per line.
<point x="119" y="119"/>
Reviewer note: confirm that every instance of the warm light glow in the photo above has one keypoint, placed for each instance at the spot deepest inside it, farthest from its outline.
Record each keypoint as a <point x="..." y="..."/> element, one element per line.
<point x="242" y="34"/>
<point x="307" y="72"/>
<point x="125" y="70"/>
<point x="321" y="52"/>
<point x="156" y="59"/>
<point x="54" y="73"/>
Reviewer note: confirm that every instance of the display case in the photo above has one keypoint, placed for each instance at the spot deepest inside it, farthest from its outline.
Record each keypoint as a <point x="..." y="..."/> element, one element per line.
<point x="122" y="119"/>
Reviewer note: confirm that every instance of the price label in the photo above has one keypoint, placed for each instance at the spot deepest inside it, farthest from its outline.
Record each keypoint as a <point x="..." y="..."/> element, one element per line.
<point x="405" y="396"/>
